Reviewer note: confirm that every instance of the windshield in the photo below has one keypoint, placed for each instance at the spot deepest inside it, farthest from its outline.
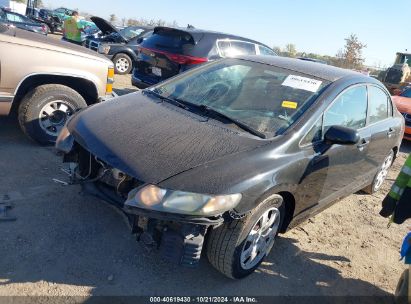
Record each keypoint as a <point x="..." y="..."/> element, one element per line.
<point x="265" y="98"/>
<point x="131" y="32"/>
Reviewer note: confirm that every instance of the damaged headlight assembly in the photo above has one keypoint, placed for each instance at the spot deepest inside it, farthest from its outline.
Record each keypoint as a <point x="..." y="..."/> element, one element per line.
<point x="155" y="198"/>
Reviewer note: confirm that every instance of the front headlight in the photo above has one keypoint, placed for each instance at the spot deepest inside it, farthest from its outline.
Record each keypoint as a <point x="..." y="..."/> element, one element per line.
<point x="158" y="199"/>
<point x="103" y="49"/>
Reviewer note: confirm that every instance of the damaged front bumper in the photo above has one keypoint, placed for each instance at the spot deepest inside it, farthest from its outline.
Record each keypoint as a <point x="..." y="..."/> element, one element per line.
<point x="179" y="237"/>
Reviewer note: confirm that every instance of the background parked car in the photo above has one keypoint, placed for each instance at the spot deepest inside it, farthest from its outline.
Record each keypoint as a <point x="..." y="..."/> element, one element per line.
<point x="44" y="81"/>
<point x="22" y="22"/>
<point x="45" y="16"/>
<point x="403" y="103"/>
<point x="169" y="51"/>
<point x="62" y="13"/>
<point x="119" y="45"/>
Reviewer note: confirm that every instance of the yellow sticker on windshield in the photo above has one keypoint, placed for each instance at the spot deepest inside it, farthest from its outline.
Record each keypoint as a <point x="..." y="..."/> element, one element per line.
<point x="289" y="104"/>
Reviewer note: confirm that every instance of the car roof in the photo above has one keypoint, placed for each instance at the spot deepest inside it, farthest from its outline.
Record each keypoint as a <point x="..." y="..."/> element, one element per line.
<point x="214" y="34"/>
<point x="319" y="70"/>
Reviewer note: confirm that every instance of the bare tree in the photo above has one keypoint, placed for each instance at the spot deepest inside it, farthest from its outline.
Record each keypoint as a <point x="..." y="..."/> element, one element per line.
<point x="113" y="18"/>
<point x="352" y="54"/>
<point x="291" y="50"/>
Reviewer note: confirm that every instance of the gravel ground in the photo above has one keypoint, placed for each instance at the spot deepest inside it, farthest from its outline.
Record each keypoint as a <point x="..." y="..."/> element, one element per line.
<point x="64" y="243"/>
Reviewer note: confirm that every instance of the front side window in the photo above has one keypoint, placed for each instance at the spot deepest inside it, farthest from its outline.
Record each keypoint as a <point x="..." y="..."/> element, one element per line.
<point x="348" y="110"/>
<point x="378" y="104"/>
<point x="266" y="98"/>
<point x="315" y="134"/>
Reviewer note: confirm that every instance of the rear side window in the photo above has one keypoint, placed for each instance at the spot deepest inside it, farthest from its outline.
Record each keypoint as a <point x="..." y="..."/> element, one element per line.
<point x="171" y="41"/>
<point x="230" y="48"/>
<point x="348" y="110"/>
<point x="14" y="18"/>
<point x="378" y="105"/>
<point x="266" y="51"/>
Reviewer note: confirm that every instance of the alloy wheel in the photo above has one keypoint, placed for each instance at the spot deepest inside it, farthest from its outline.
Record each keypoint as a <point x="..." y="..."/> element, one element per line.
<point x="122" y="65"/>
<point x="382" y="174"/>
<point x="54" y="115"/>
<point x="261" y="238"/>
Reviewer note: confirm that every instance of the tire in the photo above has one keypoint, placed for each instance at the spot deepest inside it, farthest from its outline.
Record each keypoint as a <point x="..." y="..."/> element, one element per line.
<point x="44" y="111"/>
<point x="122" y="64"/>
<point x="381" y="175"/>
<point x="401" y="292"/>
<point x="227" y="243"/>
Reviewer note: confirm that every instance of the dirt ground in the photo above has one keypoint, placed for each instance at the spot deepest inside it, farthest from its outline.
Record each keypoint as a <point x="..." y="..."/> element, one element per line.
<point x="64" y="243"/>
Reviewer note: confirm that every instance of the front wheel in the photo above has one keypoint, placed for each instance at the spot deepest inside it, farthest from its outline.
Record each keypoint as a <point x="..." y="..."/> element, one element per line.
<point x="122" y="64"/>
<point x="44" y="111"/>
<point x="237" y="248"/>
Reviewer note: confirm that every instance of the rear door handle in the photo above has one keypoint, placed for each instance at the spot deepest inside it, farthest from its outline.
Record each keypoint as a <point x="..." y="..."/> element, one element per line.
<point x="363" y="143"/>
<point x="390" y="132"/>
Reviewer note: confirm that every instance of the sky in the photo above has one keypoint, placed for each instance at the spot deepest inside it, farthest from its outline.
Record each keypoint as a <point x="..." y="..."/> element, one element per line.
<point x="317" y="26"/>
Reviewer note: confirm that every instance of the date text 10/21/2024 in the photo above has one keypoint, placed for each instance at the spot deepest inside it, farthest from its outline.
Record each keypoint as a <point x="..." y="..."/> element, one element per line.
<point x="203" y="300"/>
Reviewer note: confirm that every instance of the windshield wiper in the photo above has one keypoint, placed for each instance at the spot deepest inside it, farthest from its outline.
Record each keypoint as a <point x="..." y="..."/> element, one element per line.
<point x="238" y="123"/>
<point x="169" y="100"/>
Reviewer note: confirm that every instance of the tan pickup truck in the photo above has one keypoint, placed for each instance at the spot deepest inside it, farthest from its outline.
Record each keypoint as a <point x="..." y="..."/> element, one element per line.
<point x="44" y="81"/>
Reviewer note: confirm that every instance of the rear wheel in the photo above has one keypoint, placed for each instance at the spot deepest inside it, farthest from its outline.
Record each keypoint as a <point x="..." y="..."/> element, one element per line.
<point x="122" y="64"/>
<point x="44" y="111"/>
<point x="237" y="248"/>
<point x="381" y="174"/>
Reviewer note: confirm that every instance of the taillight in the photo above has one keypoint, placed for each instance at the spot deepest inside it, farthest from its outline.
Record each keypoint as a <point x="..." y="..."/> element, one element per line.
<point x="178" y="58"/>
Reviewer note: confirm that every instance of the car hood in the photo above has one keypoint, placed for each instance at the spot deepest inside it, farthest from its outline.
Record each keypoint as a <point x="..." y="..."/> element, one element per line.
<point x="403" y="104"/>
<point x="153" y="141"/>
<point x="105" y="27"/>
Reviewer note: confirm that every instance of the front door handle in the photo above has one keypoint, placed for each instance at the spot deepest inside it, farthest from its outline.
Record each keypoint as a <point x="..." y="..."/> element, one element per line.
<point x="363" y="143"/>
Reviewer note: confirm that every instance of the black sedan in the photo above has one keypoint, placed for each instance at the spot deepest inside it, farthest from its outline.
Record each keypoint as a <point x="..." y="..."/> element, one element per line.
<point x="22" y="22"/>
<point x="120" y="46"/>
<point x="229" y="154"/>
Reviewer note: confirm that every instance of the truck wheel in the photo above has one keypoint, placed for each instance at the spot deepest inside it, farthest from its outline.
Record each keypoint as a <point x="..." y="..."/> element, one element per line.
<point x="122" y="64"/>
<point x="45" y="109"/>
<point x="381" y="174"/>
<point x="238" y="247"/>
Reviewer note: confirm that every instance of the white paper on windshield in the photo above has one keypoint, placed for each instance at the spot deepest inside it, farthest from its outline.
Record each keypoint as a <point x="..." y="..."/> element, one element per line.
<point x="302" y="83"/>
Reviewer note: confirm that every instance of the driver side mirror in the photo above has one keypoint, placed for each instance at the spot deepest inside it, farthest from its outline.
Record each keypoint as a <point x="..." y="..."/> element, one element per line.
<point x="341" y="136"/>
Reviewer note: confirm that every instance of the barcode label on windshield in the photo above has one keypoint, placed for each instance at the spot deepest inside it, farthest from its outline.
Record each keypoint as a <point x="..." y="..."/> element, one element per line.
<point x="302" y="83"/>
